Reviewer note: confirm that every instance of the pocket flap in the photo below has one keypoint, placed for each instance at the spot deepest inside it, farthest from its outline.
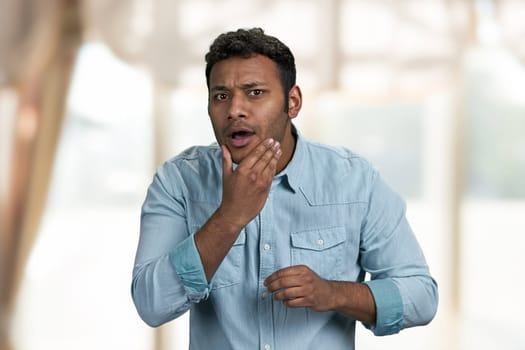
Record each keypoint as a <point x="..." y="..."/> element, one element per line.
<point x="320" y="239"/>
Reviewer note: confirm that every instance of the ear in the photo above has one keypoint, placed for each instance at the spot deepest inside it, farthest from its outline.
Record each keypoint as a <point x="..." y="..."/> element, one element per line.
<point x="295" y="101"/>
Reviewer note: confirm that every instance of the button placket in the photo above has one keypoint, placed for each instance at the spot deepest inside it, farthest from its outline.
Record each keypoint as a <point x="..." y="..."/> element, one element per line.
<point x="266" y="267"/>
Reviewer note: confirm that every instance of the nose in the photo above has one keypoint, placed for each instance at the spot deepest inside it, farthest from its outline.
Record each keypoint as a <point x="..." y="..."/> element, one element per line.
<point x="237" y="107"/>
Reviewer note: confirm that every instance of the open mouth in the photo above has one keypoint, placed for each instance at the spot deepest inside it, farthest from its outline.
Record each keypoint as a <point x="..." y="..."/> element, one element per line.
<point x="241" y="134"/>
<point x="240" y="137"/>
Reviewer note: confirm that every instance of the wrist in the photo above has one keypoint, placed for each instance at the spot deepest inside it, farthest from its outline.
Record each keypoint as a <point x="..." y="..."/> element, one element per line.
<point x="355" y="300"/>
<point x="339" y="296"/>
<point x="228" y="223"/>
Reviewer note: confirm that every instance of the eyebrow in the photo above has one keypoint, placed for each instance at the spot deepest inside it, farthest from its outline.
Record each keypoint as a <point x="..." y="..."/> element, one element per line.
<point x="243" y="86"/>
<point x="253" y="84"/>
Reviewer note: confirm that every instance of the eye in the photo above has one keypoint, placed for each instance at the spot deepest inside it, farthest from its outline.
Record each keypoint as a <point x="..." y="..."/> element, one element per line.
<point x="255" y="92"/>
<point x="221" y="96"/>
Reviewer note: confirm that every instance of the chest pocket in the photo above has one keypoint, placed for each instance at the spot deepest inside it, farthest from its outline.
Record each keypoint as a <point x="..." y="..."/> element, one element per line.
<point x="321" y="250"/>
<point x="229" y="271"/>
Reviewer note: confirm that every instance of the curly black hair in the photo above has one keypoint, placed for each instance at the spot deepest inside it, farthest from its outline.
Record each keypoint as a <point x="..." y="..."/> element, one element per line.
<point x="248" y="42"/>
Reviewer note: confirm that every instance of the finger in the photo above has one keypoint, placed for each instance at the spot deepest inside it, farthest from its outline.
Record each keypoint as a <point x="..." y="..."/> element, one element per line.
<point x="256" y="153"/>
<point x="285" y="282"/>
<point x="266" y="159"/>
<point x="298" y="302"/>
<point x="282" y="273"/>
<point x="271" y="168"/>
<point x="289" y="293"/>
<point x="227" y="162"/>
<point x="285" y="272"/>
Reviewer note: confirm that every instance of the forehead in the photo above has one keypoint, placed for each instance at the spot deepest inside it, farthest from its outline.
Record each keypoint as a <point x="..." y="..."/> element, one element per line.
<point x="239" y="70"/>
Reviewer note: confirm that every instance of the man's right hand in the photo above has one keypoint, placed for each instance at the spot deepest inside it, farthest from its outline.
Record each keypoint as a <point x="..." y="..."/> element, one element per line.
<point x="246" y="188"/>
<point x="244" y="192"/>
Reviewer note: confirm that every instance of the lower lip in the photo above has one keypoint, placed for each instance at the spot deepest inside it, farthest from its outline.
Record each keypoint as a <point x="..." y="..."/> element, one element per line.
<point x="240" y="141"/>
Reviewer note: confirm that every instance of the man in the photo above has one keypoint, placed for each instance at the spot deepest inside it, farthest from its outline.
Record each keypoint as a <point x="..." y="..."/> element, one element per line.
<point x="266" y="237"/>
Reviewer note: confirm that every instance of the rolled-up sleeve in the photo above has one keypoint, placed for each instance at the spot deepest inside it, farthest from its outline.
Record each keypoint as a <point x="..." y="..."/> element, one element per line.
<point x="404" y="292"/>
<point x="187" y="263"/>
<point x="167" y="275"/>
<point x="389" y="306"/>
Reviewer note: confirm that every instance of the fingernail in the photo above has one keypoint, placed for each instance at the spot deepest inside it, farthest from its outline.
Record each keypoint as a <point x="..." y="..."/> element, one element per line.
<point x="278" y="153"/>
<point x="276" y="145"/>
<point x="269" y="142"/>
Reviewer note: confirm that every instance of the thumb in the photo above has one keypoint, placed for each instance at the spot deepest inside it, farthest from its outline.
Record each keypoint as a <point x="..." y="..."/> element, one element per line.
<point x="226" y="161"/>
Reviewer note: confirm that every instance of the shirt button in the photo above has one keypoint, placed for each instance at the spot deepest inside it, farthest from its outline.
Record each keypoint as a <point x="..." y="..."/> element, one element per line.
<point x="320" y="242"/>
<point x="267" y="347"/>
<point x="264" y="295"/>
<point x="266" y="247"/>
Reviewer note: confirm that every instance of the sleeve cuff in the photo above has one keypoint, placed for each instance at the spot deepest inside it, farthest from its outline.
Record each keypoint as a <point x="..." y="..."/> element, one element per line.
<point x="389" y="307"/>
<point x="187" y="263"/>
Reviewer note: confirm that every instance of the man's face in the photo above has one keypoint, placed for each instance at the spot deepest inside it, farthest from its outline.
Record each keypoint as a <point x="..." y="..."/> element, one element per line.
<point x="246" y="105"/>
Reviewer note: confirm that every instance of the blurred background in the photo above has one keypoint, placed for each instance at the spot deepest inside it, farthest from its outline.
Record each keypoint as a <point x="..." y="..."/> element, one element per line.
<point x="95" y="94"/>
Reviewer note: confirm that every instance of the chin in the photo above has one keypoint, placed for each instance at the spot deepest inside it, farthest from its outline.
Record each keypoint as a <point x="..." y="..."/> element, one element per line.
<point x="239" y="156"/>
<point x="237" y="159"/>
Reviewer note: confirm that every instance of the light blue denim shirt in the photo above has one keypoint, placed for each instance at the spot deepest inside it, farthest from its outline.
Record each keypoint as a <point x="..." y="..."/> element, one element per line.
<point x="328" y="209"/>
